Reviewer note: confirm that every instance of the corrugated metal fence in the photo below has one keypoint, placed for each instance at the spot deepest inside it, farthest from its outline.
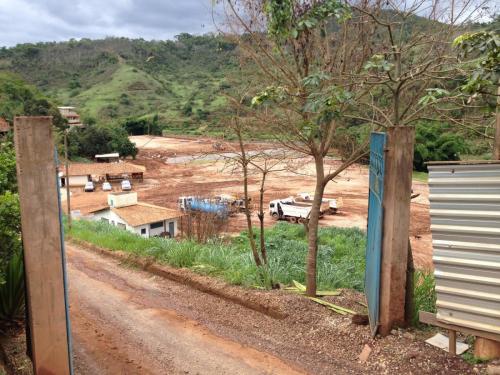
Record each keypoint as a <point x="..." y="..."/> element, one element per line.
<point x="465" y="224"/>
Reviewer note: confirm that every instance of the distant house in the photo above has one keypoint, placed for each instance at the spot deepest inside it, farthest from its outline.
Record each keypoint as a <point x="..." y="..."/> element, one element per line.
<point x="80" y="173"/>
<point x="4" y="126"/>
<point x="69" y="113"/>
<point x="144" y="219"/>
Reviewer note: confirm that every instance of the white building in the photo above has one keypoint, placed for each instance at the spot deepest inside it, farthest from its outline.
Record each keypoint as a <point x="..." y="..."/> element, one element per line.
<point x="147" y="220"/>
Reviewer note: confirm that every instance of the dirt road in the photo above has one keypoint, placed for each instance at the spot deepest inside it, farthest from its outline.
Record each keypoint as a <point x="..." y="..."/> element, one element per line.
<point x="124" y="323"/>
<point x="127" y="321"/>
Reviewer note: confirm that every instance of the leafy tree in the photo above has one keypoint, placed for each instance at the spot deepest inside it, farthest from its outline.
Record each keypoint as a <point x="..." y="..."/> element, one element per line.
<point x="436" y="142"/>
<point x="19" y="99"/>
<point x="482" y="74"/>
<point x="142" y="126"/>
<point x="10" y="221"/>
<point x="120" y="143"/>
<point x="10" y="227"/>
<point x="8" y="179"/>
<point x="99" y="139"/>
<point x="306" y="90"/>
<point x="327" y="62"/>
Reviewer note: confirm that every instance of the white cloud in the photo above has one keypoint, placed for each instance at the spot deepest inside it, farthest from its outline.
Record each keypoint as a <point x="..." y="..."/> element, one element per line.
<point x="23" y="21"/>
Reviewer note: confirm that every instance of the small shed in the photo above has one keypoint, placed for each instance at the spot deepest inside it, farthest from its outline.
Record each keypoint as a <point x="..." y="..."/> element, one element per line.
<point x="108" y="158"/>
<point x="144" y="219"/>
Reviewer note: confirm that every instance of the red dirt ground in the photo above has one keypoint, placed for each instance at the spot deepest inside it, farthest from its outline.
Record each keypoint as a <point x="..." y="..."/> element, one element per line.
<point x="140" y="323"/>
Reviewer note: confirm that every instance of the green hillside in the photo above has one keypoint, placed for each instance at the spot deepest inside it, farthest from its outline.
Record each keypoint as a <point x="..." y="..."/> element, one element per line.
<point x="114" y="79"/>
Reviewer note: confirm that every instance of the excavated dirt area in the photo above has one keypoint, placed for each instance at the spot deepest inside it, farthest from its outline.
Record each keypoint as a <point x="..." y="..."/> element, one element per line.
<point x="187" y="166"/>
<point x="128" y="321"/>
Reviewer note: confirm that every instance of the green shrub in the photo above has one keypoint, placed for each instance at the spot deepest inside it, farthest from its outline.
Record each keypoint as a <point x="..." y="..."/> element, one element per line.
<point x="10" y="228"/>
<point x="424" y="294"/>
<point x="12" y="290"/>
<point x="436" y="142"/>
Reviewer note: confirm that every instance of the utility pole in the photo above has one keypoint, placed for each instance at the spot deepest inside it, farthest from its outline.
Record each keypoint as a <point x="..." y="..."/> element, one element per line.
<point x="68" y="193"/>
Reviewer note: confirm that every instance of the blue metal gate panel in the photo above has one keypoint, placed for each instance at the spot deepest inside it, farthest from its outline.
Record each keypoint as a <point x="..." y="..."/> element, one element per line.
<point x="375" y="221"/>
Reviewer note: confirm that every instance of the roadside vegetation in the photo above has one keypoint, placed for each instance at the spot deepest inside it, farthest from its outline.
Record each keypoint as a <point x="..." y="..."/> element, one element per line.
<point x="342" y="255"/>
<point x="341" y="261"/>
<point x="11" y="260"/>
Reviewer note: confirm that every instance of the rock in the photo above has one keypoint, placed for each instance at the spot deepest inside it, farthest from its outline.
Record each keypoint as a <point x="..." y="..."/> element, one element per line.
<point x="365" y="353"/>
<point x="360" y="319"/>
<point x="413" y="354"/>
<point x="394" y="332"/>
<point x="409" y="336"/>
<point x="493" y="369"/>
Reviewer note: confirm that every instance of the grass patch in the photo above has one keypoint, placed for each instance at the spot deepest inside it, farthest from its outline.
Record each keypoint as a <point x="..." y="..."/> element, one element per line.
<point x="341" y="255"/>
<point x="420" y="176"/>
<point x="424" y="294"/>
<point x="341" y="261"/>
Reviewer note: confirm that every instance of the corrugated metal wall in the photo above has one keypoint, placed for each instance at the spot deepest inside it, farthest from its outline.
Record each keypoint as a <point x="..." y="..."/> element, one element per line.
<point x="465" y="224"/>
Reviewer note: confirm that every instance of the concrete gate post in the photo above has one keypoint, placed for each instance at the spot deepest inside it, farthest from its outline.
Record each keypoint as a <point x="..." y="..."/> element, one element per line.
<point x="396" y="226"/>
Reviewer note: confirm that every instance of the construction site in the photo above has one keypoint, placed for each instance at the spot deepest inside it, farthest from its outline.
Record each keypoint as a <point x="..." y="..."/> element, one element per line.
<point x="189" y="190"/>
<point x="254" y="187"/>
<point x="176" y="167"/>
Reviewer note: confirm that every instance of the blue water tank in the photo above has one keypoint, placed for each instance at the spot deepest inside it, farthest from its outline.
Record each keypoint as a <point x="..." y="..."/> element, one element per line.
<point x="219" y="209"/>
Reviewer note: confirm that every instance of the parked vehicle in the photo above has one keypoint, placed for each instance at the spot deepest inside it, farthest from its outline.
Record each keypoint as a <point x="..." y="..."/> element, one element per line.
<point x="184" y="203"/>
<point x="235" y="204"/>
<point x="106" y="186"/>
<point x="89" y="187"/>
<point x="333" y="205"/>
<point x="213" y="206"/>
<point x="126" y="185"/>
<point x="287" y="209"/>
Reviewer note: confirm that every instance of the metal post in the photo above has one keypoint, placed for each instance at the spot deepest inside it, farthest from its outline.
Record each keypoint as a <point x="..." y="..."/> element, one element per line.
<point x="68" y="193"/>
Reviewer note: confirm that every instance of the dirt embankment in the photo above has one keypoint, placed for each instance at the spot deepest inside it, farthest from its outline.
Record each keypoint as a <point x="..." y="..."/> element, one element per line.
<point x="130" y="321"/>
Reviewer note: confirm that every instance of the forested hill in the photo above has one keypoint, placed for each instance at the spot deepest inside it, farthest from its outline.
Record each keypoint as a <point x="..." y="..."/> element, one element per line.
<point x="118" y="78"/>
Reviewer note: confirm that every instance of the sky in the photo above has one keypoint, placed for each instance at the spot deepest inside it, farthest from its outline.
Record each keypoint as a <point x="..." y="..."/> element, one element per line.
<point x="27" y="21"/>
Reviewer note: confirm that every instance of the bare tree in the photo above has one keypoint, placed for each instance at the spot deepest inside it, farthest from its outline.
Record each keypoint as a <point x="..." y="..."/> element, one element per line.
<point x="252" y="162"/>
<point x="293" y="45"/>
<point x="331" y="64"/>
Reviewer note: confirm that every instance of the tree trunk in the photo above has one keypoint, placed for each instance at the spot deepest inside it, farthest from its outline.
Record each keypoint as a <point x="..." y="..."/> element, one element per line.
<point x="263" y="250"/>
<point x="313" y="227"/>
<point x="248" y="214"/>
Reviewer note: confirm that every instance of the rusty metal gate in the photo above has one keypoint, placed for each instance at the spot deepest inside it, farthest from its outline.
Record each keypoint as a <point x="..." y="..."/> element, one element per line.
<point x="375" y="225"/>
